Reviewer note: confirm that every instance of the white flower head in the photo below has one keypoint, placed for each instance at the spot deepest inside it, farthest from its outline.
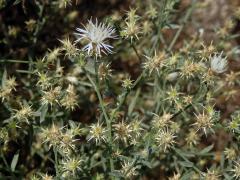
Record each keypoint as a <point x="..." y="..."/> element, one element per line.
<point x="219" y="64"/>
<point x="96" y="35"/>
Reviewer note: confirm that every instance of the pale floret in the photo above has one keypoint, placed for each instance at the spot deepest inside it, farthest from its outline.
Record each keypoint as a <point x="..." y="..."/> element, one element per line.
<point x="96" y="36"/>
<point x="219" y="64"/>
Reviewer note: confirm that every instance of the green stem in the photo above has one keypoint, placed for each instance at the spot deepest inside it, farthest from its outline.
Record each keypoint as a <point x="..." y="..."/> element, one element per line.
<point x="56" y="161"/>
<point x="108" y="121"/>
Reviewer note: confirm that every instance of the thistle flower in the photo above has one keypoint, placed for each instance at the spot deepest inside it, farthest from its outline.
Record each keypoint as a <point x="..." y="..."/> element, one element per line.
<point x="165" y="139"/>
<point x="97" y="133"/>
<point x="218" y="63"/>
<point x="96" y="36"/>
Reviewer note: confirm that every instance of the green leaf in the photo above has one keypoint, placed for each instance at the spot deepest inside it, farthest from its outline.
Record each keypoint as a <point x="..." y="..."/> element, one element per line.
<point x="133" y="102"/>
<point x="186" y="163"/>
<point x="206" y="150"/>
<point x="14" y="161"/>
<point x="43" y="112"/>
<point x="4" y="78"/>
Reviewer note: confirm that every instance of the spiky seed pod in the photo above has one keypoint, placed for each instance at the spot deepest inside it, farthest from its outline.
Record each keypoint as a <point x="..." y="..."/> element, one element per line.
<point x="129" y="170"/>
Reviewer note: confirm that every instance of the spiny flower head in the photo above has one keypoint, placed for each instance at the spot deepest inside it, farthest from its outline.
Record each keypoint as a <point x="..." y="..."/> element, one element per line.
<point x="132" y="29"/>
<point x="128" y="169"/>
<point x="165" y="139"/>
<point x="24" y="113"/>
<point x="204" y="121"/>
<point x="122" y="131"/>
<point x="69" y="101"/>
<point x="230" y="153"/>
<point x="219" y="64"/>
<point x="69" y="48"/>
<point x="160" y="122"/>
<point x="97" y="133"/>
<point x="211" y="175"/>
<point x="71" y="165"/>
<point x="96" y="35"/>
<point x="156" y="62"/>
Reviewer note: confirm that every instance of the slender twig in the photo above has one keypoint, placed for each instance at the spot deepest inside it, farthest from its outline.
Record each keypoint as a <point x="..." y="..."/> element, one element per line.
<point x="186" y="17"/>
